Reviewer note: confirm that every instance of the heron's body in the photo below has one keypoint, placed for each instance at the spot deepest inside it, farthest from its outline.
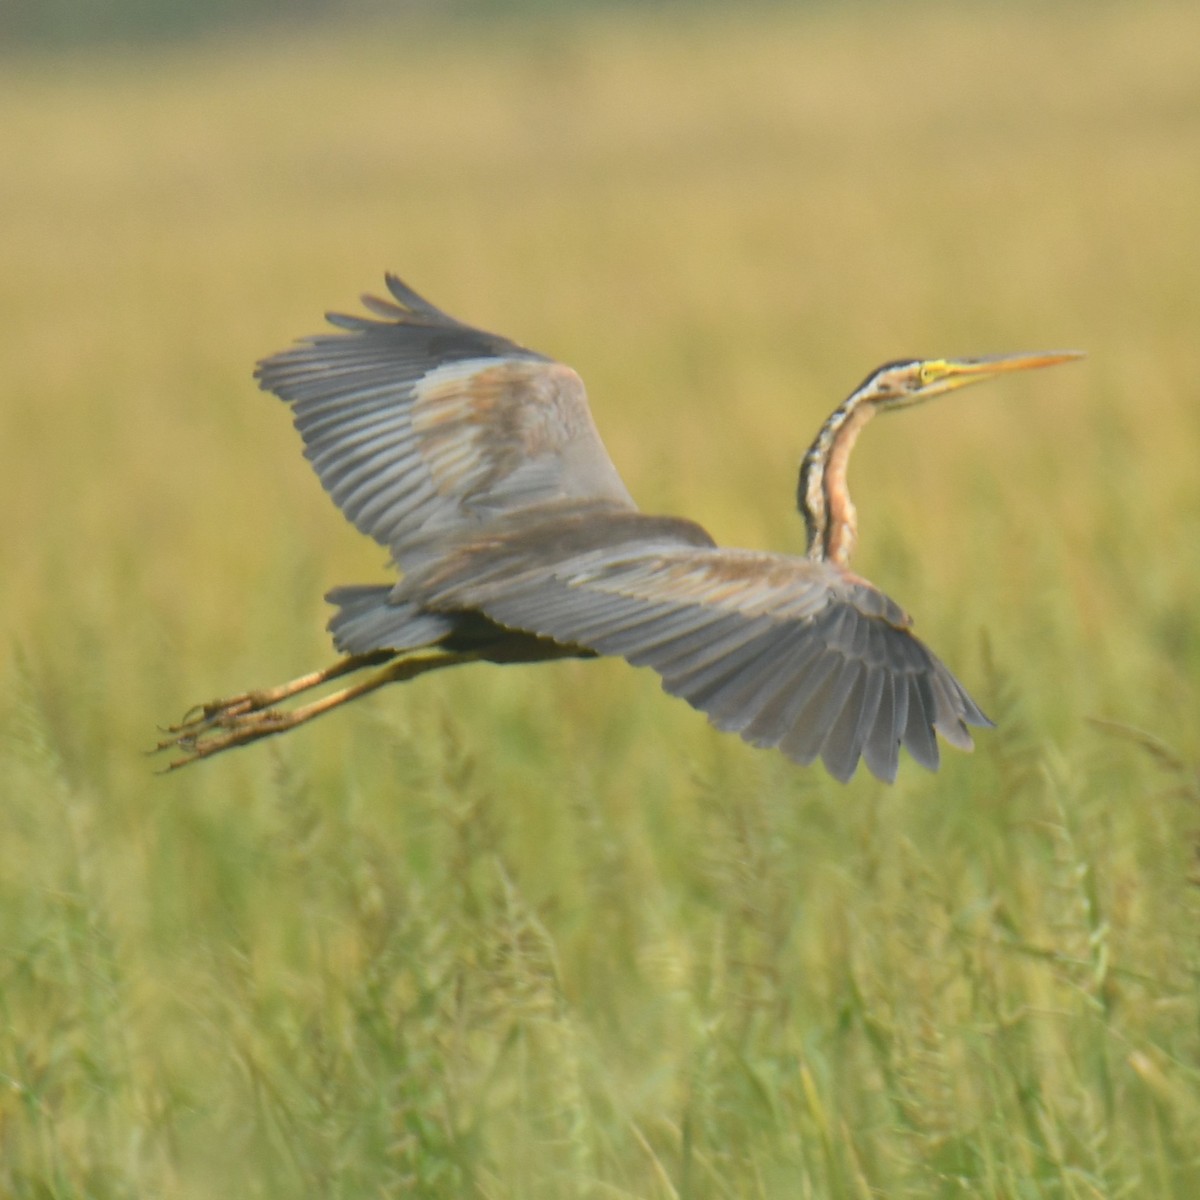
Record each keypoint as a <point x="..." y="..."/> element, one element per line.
<point x="477" y="464"/>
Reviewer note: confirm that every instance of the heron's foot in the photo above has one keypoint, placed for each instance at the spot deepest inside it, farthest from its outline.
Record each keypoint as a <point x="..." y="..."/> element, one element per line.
<point x="208" y="729"/>
<point x="216" y="713"/>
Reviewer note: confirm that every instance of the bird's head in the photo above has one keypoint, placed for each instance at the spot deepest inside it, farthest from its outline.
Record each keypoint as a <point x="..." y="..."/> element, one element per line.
<point x="912" y="381"/>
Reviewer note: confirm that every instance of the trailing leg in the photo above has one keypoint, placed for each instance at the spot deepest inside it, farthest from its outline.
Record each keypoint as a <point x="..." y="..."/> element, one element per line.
<point x="224" y="724"/>
<point x="216" y="712"/>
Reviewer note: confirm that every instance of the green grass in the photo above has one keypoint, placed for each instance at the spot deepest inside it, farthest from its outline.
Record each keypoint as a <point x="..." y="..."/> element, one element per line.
<point x="541" y="932"/>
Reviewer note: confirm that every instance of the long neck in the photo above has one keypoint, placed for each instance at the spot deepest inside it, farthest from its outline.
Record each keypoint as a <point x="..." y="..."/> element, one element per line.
<point x="822" y="493"/>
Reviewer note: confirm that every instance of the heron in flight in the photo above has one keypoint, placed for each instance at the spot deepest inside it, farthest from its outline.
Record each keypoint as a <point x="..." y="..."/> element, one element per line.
<point x="477" y="464"/>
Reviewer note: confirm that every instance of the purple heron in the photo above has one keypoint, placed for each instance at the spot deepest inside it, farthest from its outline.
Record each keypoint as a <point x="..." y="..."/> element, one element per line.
<point x="477" y="464"/>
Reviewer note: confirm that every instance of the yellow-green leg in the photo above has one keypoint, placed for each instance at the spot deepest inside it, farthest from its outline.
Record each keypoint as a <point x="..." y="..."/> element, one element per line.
<point x="223" y="724"/>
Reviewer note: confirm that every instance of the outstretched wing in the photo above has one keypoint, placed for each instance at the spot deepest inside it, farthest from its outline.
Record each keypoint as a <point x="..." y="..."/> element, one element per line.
<point x="421" y="427"/>
<point x="785" y="651"/>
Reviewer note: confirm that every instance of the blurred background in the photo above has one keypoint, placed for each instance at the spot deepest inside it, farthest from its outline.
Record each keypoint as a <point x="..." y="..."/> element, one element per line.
<point x="542" y="932"/>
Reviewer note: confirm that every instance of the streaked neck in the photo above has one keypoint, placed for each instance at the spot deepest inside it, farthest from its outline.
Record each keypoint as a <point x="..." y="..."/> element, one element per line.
<point x="822" y="494"/>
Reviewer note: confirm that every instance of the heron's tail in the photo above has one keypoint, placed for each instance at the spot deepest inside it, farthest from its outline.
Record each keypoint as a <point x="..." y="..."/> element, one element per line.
<point x="367" y="619"/>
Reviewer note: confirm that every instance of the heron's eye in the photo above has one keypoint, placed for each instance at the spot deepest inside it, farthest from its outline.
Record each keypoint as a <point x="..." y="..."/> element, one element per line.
<point x="932" y="371"/>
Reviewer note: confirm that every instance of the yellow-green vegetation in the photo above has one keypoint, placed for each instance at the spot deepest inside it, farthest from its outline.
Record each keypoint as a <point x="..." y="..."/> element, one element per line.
<point x="540" y="932"/>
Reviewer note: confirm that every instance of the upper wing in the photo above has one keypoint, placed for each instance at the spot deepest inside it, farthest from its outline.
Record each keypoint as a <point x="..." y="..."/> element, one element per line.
<point x="785" y="651"/>
<point x="420" y="426"/>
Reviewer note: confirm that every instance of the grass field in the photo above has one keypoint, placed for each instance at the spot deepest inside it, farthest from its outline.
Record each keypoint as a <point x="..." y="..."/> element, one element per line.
<point x="541" y="932"/>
